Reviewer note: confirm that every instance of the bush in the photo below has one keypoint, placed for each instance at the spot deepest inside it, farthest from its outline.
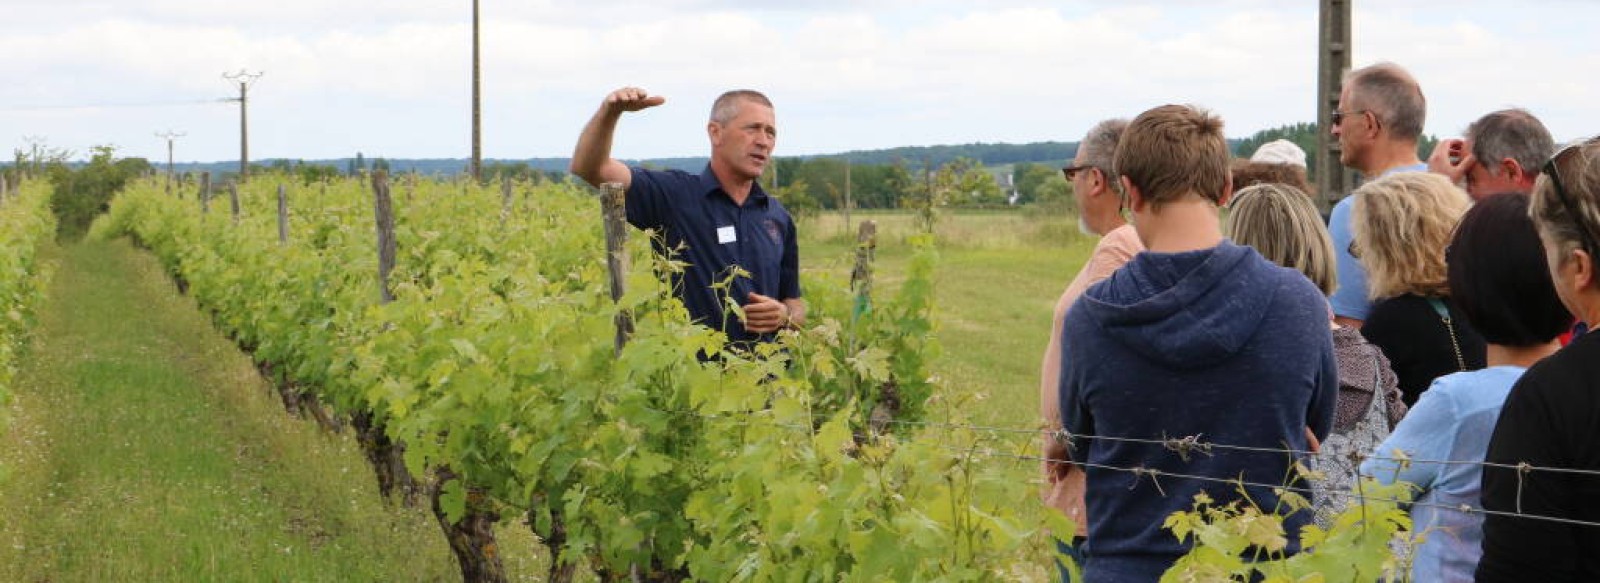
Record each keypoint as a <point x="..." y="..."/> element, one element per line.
<point x="83" y="194"/>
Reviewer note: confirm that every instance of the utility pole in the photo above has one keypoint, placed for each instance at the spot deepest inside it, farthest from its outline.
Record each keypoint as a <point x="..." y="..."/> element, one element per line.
<point x="34" y="142"/>
<point x="245" y="79"/>
<point x="170" y="135"/>
<point x="477" y="103"/>
<point x="1333" y="61"/>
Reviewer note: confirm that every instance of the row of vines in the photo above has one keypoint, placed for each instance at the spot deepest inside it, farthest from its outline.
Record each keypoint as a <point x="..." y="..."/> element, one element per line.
<point x="491" y="384"/>
<point x="26" y="223"/>
<point x="483" y="375"/>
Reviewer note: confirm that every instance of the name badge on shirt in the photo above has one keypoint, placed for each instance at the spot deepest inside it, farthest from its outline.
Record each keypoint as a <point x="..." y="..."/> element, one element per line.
<point x="726" y="235"/>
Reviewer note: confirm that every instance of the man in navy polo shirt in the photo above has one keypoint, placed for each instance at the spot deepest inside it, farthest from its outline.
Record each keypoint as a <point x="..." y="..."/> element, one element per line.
<point x="716" y="221"/>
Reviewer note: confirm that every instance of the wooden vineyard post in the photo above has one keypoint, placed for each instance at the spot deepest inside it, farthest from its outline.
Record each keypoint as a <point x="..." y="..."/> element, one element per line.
<point x="283" y="217"/>
<point x="233" y="200"/>
<point x="505" y="200"/>
<point x="383" y="211"/>
<point x="861" y="275"/>
<point x="205" y="192"/>
<point x="613" y="208"/>
<point x="3" y="189"/>
<point x="386" y="455"/>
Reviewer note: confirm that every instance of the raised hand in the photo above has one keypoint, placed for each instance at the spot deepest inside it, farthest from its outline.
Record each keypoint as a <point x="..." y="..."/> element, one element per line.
<point x="632" y="99"/>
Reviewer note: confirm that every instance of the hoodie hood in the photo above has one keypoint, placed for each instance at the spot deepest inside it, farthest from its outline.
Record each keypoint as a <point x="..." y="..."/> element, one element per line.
<point x="1185" y="310"/>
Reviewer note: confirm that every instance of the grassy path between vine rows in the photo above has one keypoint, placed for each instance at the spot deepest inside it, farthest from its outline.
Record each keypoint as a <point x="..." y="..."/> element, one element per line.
<point x="145" y="447"/>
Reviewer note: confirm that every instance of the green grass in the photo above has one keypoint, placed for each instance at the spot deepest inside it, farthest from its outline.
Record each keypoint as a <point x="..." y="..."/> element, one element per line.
<point x="145" y="447"/>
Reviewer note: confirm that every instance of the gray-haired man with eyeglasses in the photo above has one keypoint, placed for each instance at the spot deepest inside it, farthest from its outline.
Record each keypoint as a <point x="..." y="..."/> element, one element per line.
<point x="1378" y="123"/>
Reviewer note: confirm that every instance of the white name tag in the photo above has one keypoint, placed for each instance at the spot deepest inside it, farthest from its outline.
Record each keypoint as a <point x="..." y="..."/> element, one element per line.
<point x="725" y="235"/>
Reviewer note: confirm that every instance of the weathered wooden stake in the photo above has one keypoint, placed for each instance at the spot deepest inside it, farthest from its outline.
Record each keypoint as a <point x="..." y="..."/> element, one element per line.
<point x="505" y="200"/>
<point x="861" y="275"/>
<point x="205" y="192"/>
<point x="613" y="209"/>
<point x="4" y="189"/>
<point x="233" y="200"/>
<point x="384" y="212"/>
<point x="283" y="217"/>
<point x="386" y="455"/>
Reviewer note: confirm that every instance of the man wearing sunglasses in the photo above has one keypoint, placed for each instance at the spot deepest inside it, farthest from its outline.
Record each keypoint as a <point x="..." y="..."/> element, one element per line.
<point x="1501" y="153"/>
<point x="1378" y="123"/>
<point x="1099" y="214"/>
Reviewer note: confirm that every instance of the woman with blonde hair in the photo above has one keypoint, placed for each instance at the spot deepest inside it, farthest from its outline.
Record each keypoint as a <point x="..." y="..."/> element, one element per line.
<point x="1281" y="223"/>
<point x="1549" y="420"/>
<point x="1402" y="224"/>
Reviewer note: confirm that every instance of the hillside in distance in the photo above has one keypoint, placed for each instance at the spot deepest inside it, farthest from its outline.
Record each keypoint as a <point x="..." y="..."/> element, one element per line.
<point x="914" y="157"/>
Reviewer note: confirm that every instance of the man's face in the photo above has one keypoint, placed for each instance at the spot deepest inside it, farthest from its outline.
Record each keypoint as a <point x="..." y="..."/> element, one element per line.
<point x="1083" y="181"/>
<point x="1348" y="130"/>
<point x="745" y="142"/>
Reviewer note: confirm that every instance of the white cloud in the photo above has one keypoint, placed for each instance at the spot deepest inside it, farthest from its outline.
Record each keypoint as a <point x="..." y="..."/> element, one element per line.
<point x="392" y="79"/>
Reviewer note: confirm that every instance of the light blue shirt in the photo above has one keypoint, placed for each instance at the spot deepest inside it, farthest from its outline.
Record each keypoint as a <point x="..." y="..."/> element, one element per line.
<point x="1350" y="299"/>
<point x="1452" y="421"/>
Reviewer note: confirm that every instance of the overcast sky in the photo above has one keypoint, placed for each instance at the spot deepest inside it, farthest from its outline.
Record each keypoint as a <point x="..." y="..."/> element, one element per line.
<point x="392" y="78"/>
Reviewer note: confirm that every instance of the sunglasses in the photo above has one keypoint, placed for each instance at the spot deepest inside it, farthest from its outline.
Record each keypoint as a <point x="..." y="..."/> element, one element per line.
<point x="1338" y="116"/>
<point x="1552" y="168"/>
<point x="1072" y="171"/>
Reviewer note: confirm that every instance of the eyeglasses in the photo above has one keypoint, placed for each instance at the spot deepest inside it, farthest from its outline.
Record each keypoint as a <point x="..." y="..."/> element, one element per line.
<point x="1338" y="116"/>
<point x="1552" y="169"/>
<point x="1073" y="170"/>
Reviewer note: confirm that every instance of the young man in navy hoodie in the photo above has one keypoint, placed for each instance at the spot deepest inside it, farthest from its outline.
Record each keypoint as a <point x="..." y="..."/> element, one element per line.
<point x="1196" y="336"/>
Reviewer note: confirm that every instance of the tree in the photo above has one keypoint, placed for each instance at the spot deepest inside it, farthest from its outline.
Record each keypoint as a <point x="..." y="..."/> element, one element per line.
<point x="81" y="195"/>
<point x="1030" y="177"/>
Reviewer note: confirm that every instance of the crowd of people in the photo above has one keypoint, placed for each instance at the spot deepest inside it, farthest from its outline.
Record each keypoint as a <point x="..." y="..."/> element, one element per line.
<point x="1430" y="331"/>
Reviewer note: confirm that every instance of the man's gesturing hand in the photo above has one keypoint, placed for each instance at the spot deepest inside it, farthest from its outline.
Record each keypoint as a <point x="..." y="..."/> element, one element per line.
<point x="1452" y="159"/>
<point x="763" y="314"/>
<point x="632" y="99"/>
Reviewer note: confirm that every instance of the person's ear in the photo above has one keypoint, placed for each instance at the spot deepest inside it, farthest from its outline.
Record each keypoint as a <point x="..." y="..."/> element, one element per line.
<point x="714" y="131"/>
<point x="1227" y="190"/>
<point x="1513" y="171"/>
<point x="1583" y="269"/>
<point x="1134" y="197"/>
<point x="1097" y="182"/>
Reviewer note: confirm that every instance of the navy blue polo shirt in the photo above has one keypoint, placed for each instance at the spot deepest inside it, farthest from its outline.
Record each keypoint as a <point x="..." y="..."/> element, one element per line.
<point x="700" y="224"/>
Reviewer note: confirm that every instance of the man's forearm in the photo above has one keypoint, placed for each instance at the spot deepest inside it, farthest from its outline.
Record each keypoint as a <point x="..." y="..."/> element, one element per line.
<point x="594" y="145"/>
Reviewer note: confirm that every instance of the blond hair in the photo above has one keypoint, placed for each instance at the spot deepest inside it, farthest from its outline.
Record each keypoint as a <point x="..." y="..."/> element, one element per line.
<point x="1402" y="224"/>
<point x="1173" y="150"/>
<point x="1280" y="222"/>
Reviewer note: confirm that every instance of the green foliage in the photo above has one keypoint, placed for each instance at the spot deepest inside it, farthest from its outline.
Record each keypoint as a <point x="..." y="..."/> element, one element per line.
<point x="1239" y="541"/>
<point x="1038" y="182"/>
<point x="25" y="224"/>
<point x="81" y="195"/>
<point x="496" y="360"/>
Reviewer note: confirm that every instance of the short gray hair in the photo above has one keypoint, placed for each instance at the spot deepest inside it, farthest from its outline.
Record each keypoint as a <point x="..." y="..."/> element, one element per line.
<point x="1100" y="144"/>
<point x="1569" y="225"/>
<point x="1393" y="96"/>
<point x="727" y="105"/>
<point x="1514" y="134"/>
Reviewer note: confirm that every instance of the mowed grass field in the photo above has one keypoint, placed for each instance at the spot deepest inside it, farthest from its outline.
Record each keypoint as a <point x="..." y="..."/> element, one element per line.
<point x="997" y="279"/>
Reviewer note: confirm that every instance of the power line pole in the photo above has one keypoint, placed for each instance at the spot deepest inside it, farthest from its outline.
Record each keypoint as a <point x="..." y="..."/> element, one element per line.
<point x="245" y="79"/>
<point x="34" y="142"/>
<point x="1333" y="61"/>
<point x="170" y="136"/>
<point x="477" y="107"/>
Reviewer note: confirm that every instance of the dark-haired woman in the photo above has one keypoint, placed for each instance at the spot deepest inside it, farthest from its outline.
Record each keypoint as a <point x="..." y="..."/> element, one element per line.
<point x="1552" y="417"/>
